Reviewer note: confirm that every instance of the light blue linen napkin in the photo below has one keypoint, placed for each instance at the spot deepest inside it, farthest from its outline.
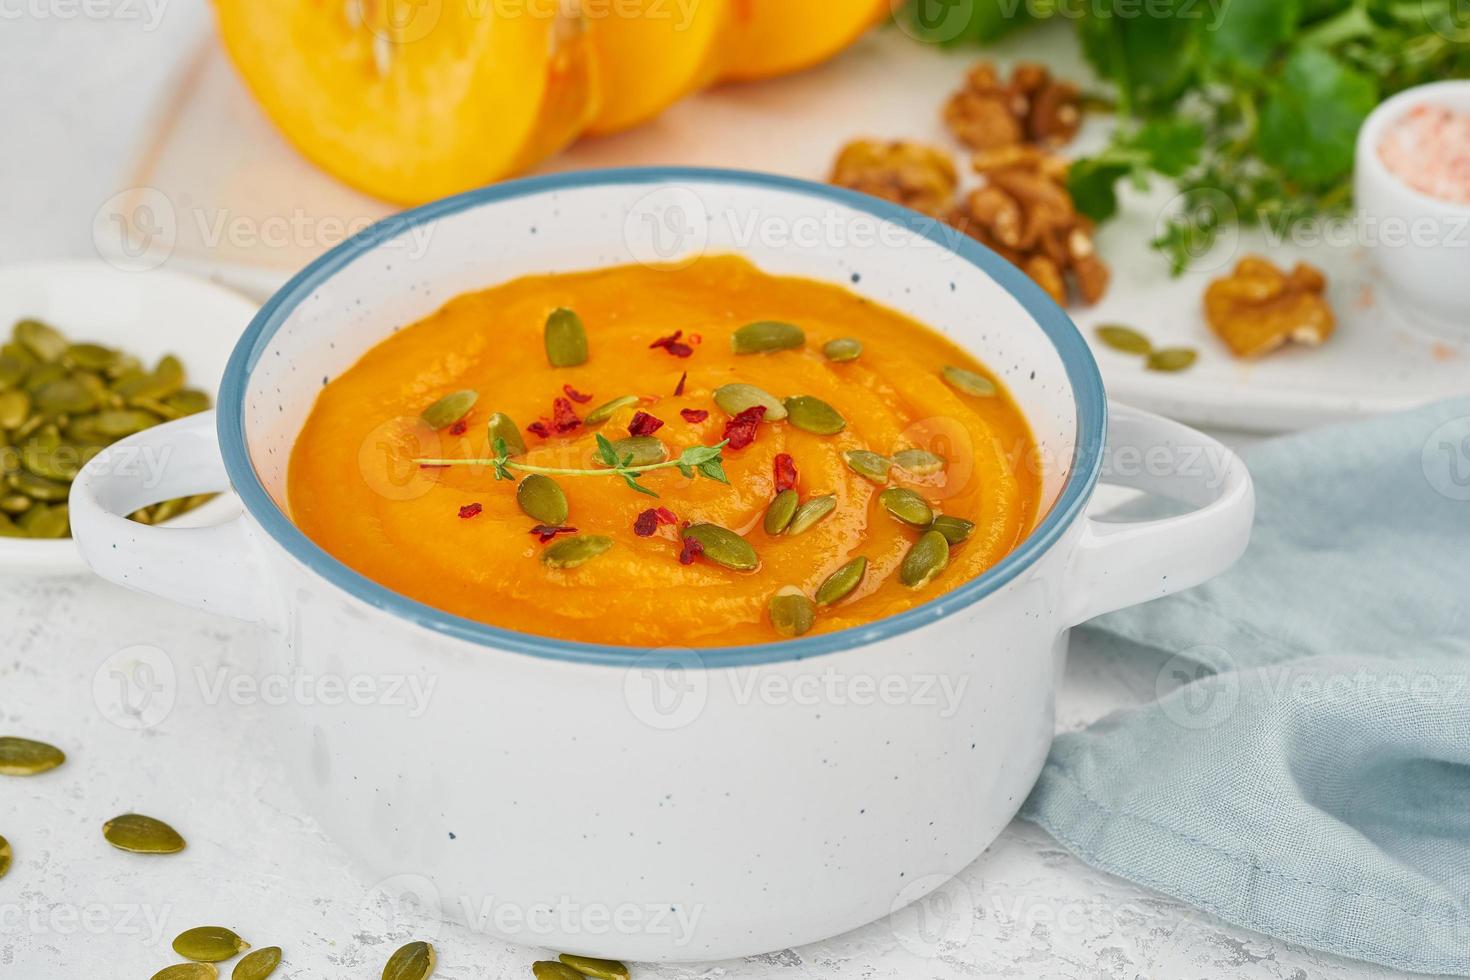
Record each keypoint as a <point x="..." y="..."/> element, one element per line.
<point x="1305" y="771"/>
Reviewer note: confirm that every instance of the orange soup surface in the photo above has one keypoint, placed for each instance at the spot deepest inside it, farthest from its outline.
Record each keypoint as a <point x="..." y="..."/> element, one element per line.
<point x="457" y="538"/>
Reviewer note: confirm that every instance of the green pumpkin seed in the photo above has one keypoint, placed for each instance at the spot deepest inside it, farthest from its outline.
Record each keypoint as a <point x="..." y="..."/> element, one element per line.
<point x="779" y="514"/>
<point x="114" y="423"/>
<point x="15" y="503"/>
<point x="142" y="835"/>
<point x="42" y="375"/>
<point x="566" y="339"/>
<point x="842" y="350"/>
<point x="576" y="550"/>
<point x="968" y="382"/>
<point x="65" y="396"/>
<point x="839" y="584"/>
<point x="93" y="357"/>
<point x="167" y="510"/>
<point x="166" y="378"/>
<point x="17" y="352"/>
<point x="15" y="408"/>
<point x="907" y="506"/>
<point x="869" y="466"/>
<point x="5" y="856"/>
<point x="724" y="547"/>
<point x="766" y="337"/>
<point x="258" y="965"/>
<point x="644" y="450"/>
<point x="814" y="415"/>
<point x="25" y="757"/>
<point x="791" y="612"/>
<point x="414" y="961"/>
<point x="927" y="558"/>
<point x="158" y="408"/>
<point x="46" y="456"/>
<point x="598" y="969"/>
<point x="1125" y="339"/>
<point x="188" y="971"/>
<point x="954" y="529"/>
<point x="12" y="371"/>
<point x="542" y="499"/>
<point x="450" y="409"/>
<point x="125" y="364"/>
<point x="38" y="488"/>
<point x="190" y="401"/>
<point x="9" y="529"/>
<point x="503" y="427"/>
<point x="736" y="398"/>
<point x="209" y="944"/>
<point x="28" y="426"/>
<point x="46" y="522"/>
<point x="605" y="411"/>
<point x="918" y="462"/>
<point x="552" y="970"/>
<point x="46" y="343"/>
<point x="810" y="513"/>
<point x="1172" y="359"/>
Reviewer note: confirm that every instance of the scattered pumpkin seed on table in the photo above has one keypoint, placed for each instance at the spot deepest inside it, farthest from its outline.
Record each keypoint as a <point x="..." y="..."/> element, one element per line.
<point x="927" y="558"/>
<point x="767" y="336"/>
<point x="552" y="970"/>
<point x="955" y="529"/>
<point x="188" y="971"/>
<point x="842" y="350"/>
<point x="1124" y="339"/>
<point x="907" y="506"/>
<point x="739" y="397"/>
<point x="541" y="498"/>
<point x="644" y="450"/>
<point x="142" y="835"/>
<point x="450" y="409"/>
<point x="605" y="411"/>
<point x="792" y="613"/>
<point x="598" y="969"/>
<point x="968" y="382"/>
<point x="502" y="427"/>
<point x="810" y="513"/>
<point x="5" y="856"/>
<point x="814" y="415"/>
<point x="209" y="944"/>
<point x="26" y="757"/>
<point x="779" y="514"/>
<point x="868" y="465"/>
<point x="724" y="547"/>
<point x="257" y="965"/>
<point x="1172" y="359"/>
<point x="918" y="462"/>
<point x="414" y="961"/>
<point x="566" y="339"/>
<point x="576" y="551"/>
<point x="840" y="584"/>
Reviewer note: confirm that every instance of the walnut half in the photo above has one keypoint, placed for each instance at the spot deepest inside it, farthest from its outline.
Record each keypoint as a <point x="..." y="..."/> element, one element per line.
<point x="1258" y="307"/>
<point x="912" y="174"/>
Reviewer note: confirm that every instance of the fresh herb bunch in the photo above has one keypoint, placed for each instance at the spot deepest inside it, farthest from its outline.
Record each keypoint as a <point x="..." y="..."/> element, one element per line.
<point x="707" y="461"/>
<point x="1251" y="106"/>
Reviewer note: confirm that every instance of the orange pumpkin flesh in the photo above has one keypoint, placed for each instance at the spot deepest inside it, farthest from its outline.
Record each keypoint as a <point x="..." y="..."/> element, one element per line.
<point x="772" y="37"/>
<point x="651" y="53"/>
<point x="413" y="100"/>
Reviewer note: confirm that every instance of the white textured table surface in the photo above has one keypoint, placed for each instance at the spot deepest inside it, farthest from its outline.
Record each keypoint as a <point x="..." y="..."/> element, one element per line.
<point x="74" y="90"/>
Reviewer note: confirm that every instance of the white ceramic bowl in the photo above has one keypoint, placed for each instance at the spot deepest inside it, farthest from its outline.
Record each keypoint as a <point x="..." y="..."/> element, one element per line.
<point x="1421" y="243"/>
<point x="667" y="804"/>
<point x="148" y="314"/>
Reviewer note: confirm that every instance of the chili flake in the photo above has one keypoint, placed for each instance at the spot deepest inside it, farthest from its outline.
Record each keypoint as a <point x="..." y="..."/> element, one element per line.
<point x="470" y="510"/>
<point x="740" y="430"/>
<point x="643" y="424"/>
<point x="785" y="468"/>
<point x="576" y="395"/>
<point x="679" y="388"/>
<point x="693" y="414"/>
<point x="692" y="549"/>
<point x="673" y="345"/>
<point x="459" y="428"/>
<point x="564" y="417"/>
<point x="546" y="532"/>
<point x="539" y="429"/>
<point x="650" y="520"/>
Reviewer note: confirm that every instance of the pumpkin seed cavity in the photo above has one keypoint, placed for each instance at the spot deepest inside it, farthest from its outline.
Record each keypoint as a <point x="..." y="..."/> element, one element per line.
<point x="840" y="584"/>
<point x="767" y="336"/>
<point x="257" y="965"/>
<point x="25" y="757"/>
<point x="595" y="968"/>
<point x="450" y="409"/>
<point x="927" y="558"/>
<point x="842" y="350"/>
<point x="566" y="339"/>
<point x="542" y="500"/>
<point x="724" y="547"/>
<point x="814" y="415"/>
<point x="209" y="944"/>
<point x="779" y="513"/>
<point x="414" y="961"/>
<point x="791" y="612"/>
<point x="576" y="550"/>
<point x="906" y="506"/>
<point x="868" y="465"/>
<point x="810" y="513"/>
<point x="736" y="398"/>
<point x="968" y="382"/>
<point x="142" y="835"/>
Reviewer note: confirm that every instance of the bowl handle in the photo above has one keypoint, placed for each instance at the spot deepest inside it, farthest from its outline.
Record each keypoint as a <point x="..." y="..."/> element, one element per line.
<point x="216" y="569"/>
<point x="1119" y="565"/>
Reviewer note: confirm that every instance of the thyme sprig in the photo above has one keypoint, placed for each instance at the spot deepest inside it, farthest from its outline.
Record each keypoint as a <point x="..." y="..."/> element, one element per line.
<point x="707" y="461"/>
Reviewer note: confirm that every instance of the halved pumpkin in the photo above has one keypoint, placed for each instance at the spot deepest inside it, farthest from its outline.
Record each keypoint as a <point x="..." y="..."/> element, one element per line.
<point x="412" y="100"/>
<point x="772" y="37"/>
<point x="651" y="53"/>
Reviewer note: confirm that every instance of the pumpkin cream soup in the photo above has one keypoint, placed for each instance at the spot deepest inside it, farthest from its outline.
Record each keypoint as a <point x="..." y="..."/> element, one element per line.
<point x="704" y="456"/>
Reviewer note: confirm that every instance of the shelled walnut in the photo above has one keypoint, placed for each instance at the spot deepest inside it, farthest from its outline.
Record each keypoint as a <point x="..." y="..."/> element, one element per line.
<point x="1258" y="307"/>
<point x="1024" y="212"/>
<point x="912" y="174"/>
<point x="1031" y="108"/>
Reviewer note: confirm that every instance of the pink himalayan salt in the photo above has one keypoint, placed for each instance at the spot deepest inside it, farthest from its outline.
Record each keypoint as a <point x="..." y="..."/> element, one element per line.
<point x="1429" y="149"/>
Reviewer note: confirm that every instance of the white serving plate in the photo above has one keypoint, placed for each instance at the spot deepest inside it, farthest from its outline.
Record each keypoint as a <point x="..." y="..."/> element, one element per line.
<point x="215" y="147"/>
<point x="146" y="313"/>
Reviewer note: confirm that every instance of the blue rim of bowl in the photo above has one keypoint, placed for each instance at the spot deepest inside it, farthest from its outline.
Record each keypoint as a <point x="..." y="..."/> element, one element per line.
<point x="1076" y="357"/>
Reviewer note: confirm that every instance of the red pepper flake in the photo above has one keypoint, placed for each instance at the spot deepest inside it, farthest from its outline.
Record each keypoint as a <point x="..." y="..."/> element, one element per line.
<point x="564" y="417"/>
<point x="470" y="510"/>
<point x="459" y="428"/>
<point x="651" y="520"/>
<point x="785" y="468"/>
<point x="693" y="415"/>
<point x="692" y="549"/>
<point x="740" y="430"/>
<point x="643" y="424"/>
<point x="546" y="532"/>
<point x="679" y="388"/>
<point x="539" y="429"/>
<point x="673" y="345"/>
<point x="576" y="395"/>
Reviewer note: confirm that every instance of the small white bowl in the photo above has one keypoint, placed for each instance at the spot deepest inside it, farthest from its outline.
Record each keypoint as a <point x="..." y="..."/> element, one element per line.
<point x="145" y="313"/>
<point x="1421" y="243"/>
